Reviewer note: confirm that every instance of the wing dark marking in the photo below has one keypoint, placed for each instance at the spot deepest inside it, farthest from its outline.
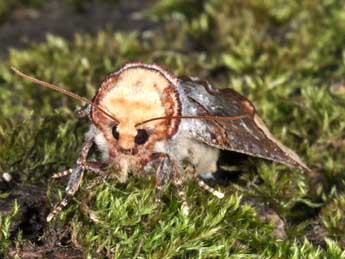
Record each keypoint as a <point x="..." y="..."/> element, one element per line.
<point x="248" y="135"/>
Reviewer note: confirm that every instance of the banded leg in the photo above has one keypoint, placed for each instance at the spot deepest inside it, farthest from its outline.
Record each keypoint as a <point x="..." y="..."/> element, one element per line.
<point x="178" y="181"/>
<point x="62" y="173"/>
<point x="94" y="167"/>
<point x="208" y="188"/>
<point x="74" y="181"/>
<point x="161" y="175"/>
<point x="72" y="187"/>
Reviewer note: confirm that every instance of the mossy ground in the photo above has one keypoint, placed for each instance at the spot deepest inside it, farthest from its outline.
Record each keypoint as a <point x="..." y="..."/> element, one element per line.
<point x="287" y="57"/>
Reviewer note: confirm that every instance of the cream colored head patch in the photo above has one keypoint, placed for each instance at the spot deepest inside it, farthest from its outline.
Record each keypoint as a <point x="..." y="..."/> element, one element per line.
<point x="134" y="98"/>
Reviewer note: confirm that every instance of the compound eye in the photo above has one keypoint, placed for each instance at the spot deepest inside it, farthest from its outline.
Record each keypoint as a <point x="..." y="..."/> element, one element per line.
<point x="141" y="137"/>
<point x="116" y="134"/>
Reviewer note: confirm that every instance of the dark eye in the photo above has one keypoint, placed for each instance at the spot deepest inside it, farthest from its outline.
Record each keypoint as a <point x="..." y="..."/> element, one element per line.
<point x="141" y="137"/>
<point x="116" y="134"/>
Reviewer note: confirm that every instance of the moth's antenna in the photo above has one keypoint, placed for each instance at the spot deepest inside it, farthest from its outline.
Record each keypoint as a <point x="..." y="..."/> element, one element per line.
<point x="201" y="117"/>
<point x="63" y="91"/>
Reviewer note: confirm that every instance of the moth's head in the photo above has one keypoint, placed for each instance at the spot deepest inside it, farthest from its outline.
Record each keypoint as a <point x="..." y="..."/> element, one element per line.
<point x="133" y="95"/>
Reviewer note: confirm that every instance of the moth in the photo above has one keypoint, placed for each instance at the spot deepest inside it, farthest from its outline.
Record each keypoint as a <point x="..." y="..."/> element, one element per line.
<point x="143" y="117"/>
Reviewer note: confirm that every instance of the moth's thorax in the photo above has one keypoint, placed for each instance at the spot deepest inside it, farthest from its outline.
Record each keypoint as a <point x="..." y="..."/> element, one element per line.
<point x="135" y="94"/>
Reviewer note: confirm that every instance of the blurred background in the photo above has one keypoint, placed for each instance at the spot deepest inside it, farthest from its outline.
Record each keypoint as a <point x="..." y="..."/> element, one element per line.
<point x="287" y="57"/>
<point x="25" y="22"/>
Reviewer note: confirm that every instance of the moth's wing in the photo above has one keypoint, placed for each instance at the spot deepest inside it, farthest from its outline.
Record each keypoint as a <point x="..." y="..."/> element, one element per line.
<point x="247" y="135"/>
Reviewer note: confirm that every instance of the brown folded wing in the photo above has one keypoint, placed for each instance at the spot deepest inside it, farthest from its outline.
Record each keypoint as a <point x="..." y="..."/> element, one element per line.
<point x="247" y="135"/>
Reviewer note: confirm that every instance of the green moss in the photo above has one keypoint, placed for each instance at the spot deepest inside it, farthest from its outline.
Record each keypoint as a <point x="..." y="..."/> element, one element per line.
<point x="5" y="224"/>
<point x="286" y="57"/>
<point x="333" y="218"/>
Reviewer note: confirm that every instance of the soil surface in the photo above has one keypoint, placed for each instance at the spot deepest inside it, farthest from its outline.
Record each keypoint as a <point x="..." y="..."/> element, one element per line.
<point x="26" y="25"/>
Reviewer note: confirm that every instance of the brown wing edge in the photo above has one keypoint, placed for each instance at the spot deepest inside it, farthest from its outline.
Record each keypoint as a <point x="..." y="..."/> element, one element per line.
<point x="289" y="153"/>
<point x="250" y="109"/>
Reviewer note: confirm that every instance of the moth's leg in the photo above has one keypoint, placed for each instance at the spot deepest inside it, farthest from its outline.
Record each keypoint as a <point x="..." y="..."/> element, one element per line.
<point x="83" y="111"/>
<point x="161" y="174"/>
<point x="62" y="173"/>
<point x="94" y="167"/>
<point x="72" y="187"/>
<point x="208" y="188"/>
<point x="75" y="179"/>
<point x="178" y="181"/>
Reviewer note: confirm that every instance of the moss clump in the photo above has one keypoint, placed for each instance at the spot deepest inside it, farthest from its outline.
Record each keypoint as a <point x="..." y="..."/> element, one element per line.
<point x="286" y="57"/>
<point x="5" y="224"/>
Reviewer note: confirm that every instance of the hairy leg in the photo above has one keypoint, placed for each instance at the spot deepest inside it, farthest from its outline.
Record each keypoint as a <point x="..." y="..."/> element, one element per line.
<point x="94" y="167"/>
<point x="72" y="186"/>
<point x="74" y="181"/>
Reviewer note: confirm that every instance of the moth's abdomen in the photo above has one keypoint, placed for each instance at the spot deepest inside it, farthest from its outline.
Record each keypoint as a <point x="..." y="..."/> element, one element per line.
<point x="200" y="155"/>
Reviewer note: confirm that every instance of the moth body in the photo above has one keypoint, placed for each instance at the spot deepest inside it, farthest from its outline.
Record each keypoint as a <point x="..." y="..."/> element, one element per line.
<point x="143" y="119"/>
